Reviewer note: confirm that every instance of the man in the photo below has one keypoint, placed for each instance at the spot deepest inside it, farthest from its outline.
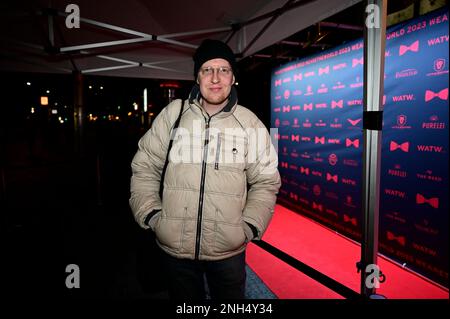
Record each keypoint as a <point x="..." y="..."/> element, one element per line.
<point x="220" y="184"/>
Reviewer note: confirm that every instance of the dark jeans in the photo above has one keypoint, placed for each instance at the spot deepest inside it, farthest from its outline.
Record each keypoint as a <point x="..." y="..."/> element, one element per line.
<point x="225" y="278"/>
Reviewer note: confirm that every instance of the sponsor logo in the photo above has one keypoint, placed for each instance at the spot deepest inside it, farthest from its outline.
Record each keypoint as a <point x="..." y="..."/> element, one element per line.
<point x="413" y="47"/>
<point x="401" y="240"/>
<point x="438" y="67"/>
<point x="434" y="124"/>
<point x="393" y="146"/>
<point x="433" y="202"/>
<point x="401" y="122"/>
<point x="430" y="95"/>
<point x="406" y="73"/>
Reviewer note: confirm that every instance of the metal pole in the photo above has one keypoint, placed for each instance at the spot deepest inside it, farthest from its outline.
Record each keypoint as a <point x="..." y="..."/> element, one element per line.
<point x="78" y="112"/>
<point x="374" y="51"/>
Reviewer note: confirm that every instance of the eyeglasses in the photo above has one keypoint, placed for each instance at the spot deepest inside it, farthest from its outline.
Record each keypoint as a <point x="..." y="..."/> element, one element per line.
<point x="223" y="71"/>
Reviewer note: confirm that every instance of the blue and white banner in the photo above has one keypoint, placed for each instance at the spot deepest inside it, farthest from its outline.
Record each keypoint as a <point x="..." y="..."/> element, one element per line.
<point x="317" y="106"/>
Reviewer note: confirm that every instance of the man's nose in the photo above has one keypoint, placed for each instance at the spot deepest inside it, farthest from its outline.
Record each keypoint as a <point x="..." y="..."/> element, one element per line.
<point x="215" y="76"/>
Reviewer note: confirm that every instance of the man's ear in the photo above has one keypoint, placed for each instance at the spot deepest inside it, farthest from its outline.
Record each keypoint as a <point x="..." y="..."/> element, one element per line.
<point x="234" y="80"/>
<point x="198" y="82"/>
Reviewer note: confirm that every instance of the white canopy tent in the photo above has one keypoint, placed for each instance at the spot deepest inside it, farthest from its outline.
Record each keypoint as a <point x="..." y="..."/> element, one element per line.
<point x="144" y="38"/>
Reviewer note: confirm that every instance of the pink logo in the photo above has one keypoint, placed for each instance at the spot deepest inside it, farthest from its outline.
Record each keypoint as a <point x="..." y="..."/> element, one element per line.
<point x="304" y="170"/>
<point x="277" y="82"/>
<point x="439" y="64"/>
<point x="349" y="142"/>
<point x="308" y="107"/>
<point x="293" y="196"/>
<point x="394" y="146"/>
<point x="286" y="94"/>
<point x="354" y="122"/>
<point x="298" y="77"/>
<point x="286" y="108"/>
<point x="332" y="159"/>
<point x="401" y="120"/>
<point x="399" y="239"/>
<point x="429" y="95"/>
<point x="325" y="70"/>
<point x="295" y="138"/>
<point x="338" y="104"/>
<point x="414" y="47"/>
<point x="433" y="202"/>
<point x="320" y="140"/>
<point x="284" y="164"/>
<point x="316" y="190"/>
<point x="352" y="221"/>
<point x="333" y="178"/>
<point x="349" y="200"/>
<point x="355" y="62"/>
<point x="277" y="122"/>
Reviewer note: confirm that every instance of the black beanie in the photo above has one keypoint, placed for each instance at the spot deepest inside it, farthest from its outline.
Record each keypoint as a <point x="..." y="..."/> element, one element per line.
<point x="213" y="49"/>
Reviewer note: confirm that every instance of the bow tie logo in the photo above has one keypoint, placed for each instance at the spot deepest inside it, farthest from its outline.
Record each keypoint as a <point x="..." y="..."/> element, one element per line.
<point x="399" y="239"/>
<point x="333" y="178"/>
<point x="355" y="62"/>
<point x="352" y="221"/>
<point x="338" y="104"/>
<point x="295" y="138"/>
<point x="394" y="146"/>
<point x="298" y="77"/>
<point x="304" y="170"/>
<point x="429" y="95"/>
<point x="320" y="140"/>
<point x="354" y="122"/>
<point x="324" y="70"/>
<point x="433" y="202"/>
<point x="286" y="108"/>
<point x="414" y="47"/>
<point x="349" y="142"/>
<point x="284" y="164"/>
<point x="319" y="207"/>
<point x="308" y="107"/>
<point x="293" y="196"/>
<point x="277" y="82"/>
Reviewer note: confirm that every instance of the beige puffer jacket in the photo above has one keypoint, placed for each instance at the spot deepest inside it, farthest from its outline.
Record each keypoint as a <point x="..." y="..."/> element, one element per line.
<point x="213" y="160"/>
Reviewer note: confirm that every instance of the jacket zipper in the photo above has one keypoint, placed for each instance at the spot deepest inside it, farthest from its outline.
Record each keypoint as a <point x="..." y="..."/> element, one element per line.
<point x="216" y="164"/>
<point x="202" y="189"/>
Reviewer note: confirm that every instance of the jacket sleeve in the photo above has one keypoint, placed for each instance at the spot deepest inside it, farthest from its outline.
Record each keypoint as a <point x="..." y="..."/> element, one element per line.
<point x="147" y="165"/>
<point x="263" y="179"/>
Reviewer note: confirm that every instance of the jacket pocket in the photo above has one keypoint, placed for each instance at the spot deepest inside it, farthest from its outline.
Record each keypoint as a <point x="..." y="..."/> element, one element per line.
<point x="154" y="221"/>
<point x="169" y="231"/>
<point x="229" y="237"/>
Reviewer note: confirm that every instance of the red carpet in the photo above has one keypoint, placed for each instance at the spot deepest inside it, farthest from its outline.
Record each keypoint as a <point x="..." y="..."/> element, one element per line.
<point x="332" y="255"/>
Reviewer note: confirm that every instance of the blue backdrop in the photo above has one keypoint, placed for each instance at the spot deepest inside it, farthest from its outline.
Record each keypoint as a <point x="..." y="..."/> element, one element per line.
<point x="317" y="107"/>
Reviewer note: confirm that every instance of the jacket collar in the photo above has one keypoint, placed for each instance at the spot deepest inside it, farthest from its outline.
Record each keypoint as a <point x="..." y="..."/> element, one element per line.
<point x="195" y="97"/>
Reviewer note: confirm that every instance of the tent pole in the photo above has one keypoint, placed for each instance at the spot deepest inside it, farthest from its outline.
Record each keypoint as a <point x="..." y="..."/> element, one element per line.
<point x="374" y="56"/>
